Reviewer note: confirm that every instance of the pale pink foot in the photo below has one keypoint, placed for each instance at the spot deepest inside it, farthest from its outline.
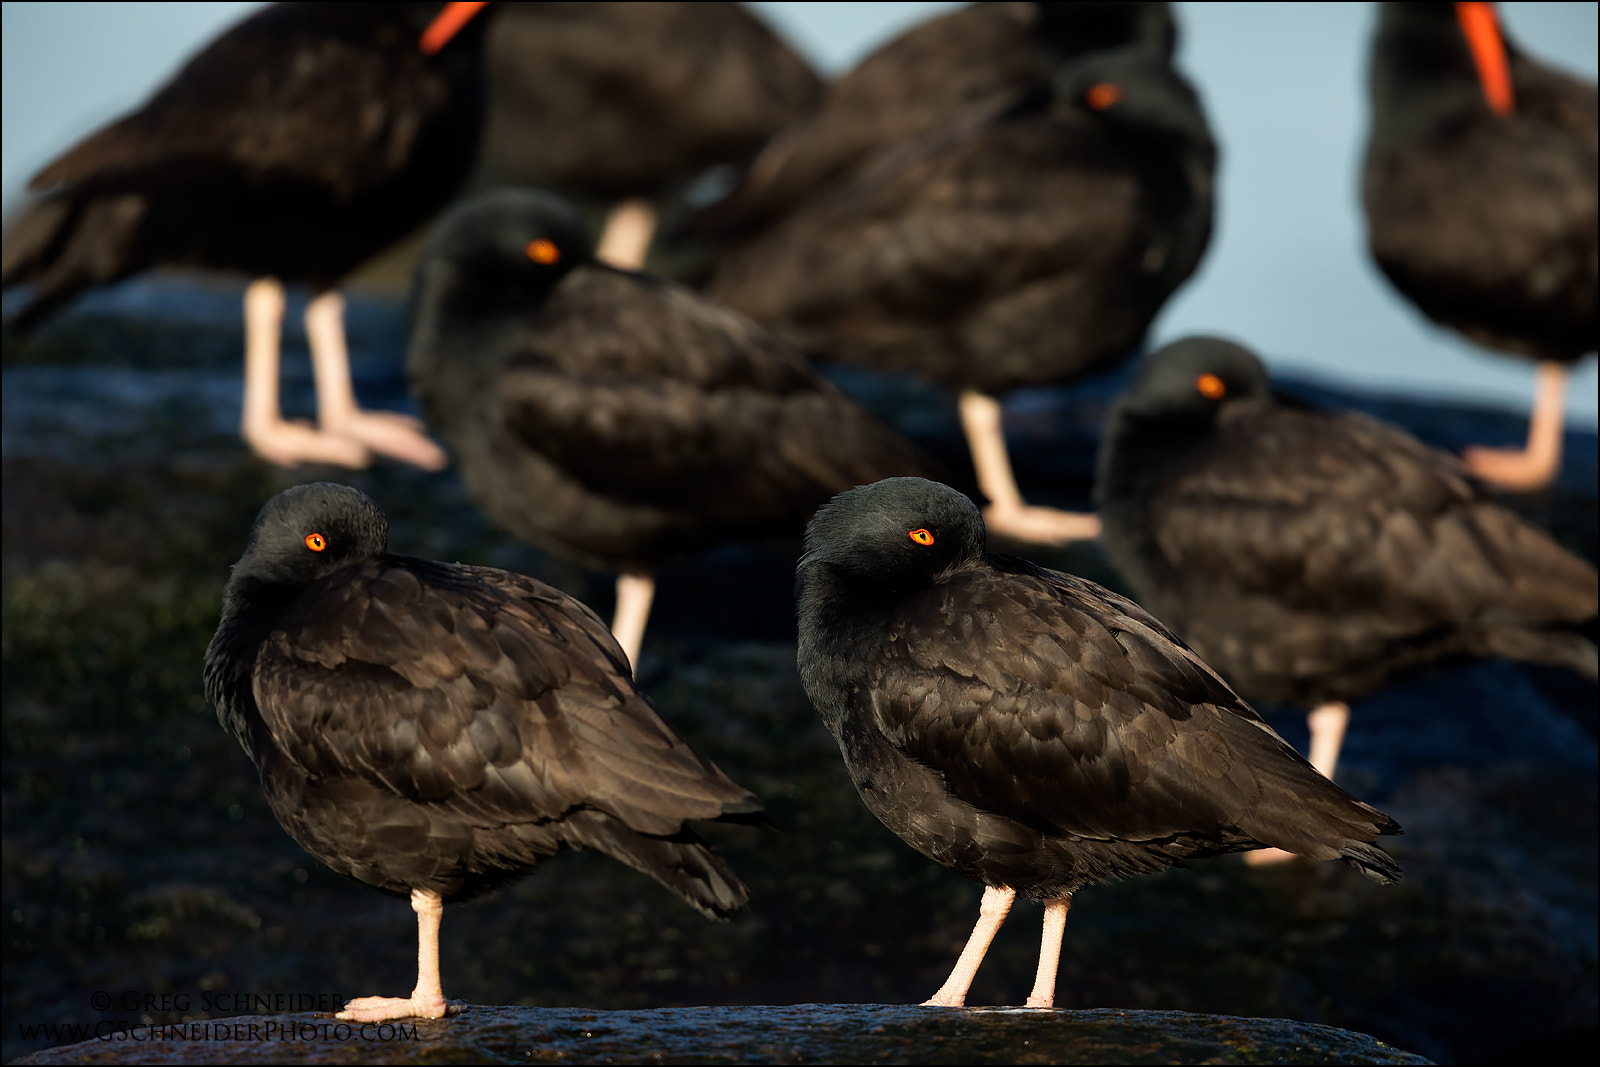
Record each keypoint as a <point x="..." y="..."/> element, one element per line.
<point x="1511" y="468"/>
<point x="388" y="433"/>
<point x="1268" y="857"/>
<point x="261" y="422"/>
<point x="1045" y="526"/>
<point x="393" y="434"/>
<point x="1055" y="925"/>
<point x="635" y="592"/>
<point x="289" y="444"/>
<point x="1535" y="465"/>
<point x="427" y="999"/>
<point x="1007" y="513"/>
<point x="383" y="1009"/>
<point x="992" y="912"/>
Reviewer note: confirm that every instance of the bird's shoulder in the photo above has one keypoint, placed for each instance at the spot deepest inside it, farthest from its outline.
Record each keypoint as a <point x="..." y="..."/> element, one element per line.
<point x="280" y="94"/>
<point x="606" y="325"/>
<point x="436" y="678"/>
<point x="1281" y="451"/>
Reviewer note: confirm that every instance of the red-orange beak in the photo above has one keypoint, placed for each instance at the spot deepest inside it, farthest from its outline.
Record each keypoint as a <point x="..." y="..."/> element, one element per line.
<point x="1482" y="30"/>
<point x="446" y="25"/>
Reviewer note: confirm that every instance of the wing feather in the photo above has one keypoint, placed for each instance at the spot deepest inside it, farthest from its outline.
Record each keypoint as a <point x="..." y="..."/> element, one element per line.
<point x="487" y="694"/>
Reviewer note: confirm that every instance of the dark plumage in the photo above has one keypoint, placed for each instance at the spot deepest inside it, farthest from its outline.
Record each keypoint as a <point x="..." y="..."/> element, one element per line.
<point x="1023" y="248"/>
<point x="1313" y="556"/>
<point x="620" y="99"/>
<point x="294" y="147"/>
<point x="298" y="144"/>
<point x="1028" y="247"/>
<point x="965" y="64"/>
<point x="438" y="729"/>
<point x="1480" y="184"/>
<point x="611" y="417"/>
<point x="1031" y="730"/>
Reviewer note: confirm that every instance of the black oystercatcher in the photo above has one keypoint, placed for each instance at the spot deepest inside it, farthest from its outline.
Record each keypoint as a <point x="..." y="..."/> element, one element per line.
<point x="623" y="101"/>
<point x="437" y="730"/>
<point x="1311" y="556"/>
<point x="614" y="418"/>
<point x="1031" y="730"/>
<point x="294" y="147"/>
<point x="1480" y="185"/>
<point x="965" y="64"/>
<point x="1029" y="247"/>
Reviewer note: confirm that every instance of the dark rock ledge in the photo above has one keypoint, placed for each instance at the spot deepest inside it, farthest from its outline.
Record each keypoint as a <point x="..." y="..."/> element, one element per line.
<point x="801" y="1033"/>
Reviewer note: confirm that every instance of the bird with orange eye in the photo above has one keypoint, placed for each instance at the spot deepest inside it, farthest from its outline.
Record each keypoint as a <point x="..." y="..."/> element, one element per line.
<point x="543" y="251"/>
<point x="1102" y="95"/>
<point x="1060" y="187"/>
<point x="1210" y="386"/>
<point x="1312" y="556"/>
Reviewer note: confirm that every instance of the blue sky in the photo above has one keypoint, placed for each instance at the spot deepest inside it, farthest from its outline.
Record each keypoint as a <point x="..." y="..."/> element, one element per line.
<point x="1284" y="84"/>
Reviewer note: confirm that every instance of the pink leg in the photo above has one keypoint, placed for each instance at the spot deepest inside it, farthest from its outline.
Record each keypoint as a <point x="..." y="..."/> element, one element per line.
<point x="635" y="592"/>
<point x="1006" y="513"/>
<point x="338" y="414"/>
<point x="261" y="423"/>
<point x="1055" y="925"/>
<point x="992" y="912"/>
<point x="629" y="229"/>
<point x="1534" y="466"/>
<point x="1327" y="723"/>
<point x="427" y="999"/>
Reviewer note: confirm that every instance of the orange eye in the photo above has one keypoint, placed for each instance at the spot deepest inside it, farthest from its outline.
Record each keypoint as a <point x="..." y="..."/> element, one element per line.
<point x="543" y="251"/>
<point x="1210" y="386"/>
<point x="1102" y="95"/>
<point x="316" y="542"/>
<point x="922" y="537"/>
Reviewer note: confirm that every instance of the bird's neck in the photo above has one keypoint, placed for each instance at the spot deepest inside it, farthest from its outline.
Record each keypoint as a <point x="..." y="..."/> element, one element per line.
<point x="842" y="629"/>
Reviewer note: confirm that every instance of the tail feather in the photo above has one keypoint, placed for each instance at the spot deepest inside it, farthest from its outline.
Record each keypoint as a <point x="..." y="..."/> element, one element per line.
<point x="1372" y="861"/>
<point x="682" y="863"/>
<point x="1572" y="647"/>
<point x="1302" y="812"/>
<point x="63" y="245"/>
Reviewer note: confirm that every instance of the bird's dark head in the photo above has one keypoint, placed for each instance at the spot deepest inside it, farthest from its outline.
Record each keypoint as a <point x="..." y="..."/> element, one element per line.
<point x="1073" y="29"/>
<point x="1136" y="93"/>
<point x="301" y="536"/>
<point x="1191" y="380"/>
<point x="896" y="534"/>
<point x="501" y="251"/>
<point x="1434" y="65"/>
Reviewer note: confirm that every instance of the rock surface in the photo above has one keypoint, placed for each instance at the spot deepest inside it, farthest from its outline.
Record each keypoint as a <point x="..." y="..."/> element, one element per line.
<point x="802" y="1033"/>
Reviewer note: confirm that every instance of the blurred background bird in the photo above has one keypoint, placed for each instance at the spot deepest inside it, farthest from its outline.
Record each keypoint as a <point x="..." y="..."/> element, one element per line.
<point x="967" y="64"/>
<point x="1482" y="192"/>
<point x="293" y="148"/>
<point x="1315" y="557"/>
<point x="1026" y="236"/>
<point x="312" y="137"/>
<point x="614" y="418"/>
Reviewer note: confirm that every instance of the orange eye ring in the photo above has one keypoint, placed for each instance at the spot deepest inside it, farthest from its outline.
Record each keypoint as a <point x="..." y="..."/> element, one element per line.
<point x="543" y="250"/>
<point x="1210" y="386"/>
<point x="1102" y="95"/>
<point x="316" y="542"/>
<point x="921" y="536"/>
